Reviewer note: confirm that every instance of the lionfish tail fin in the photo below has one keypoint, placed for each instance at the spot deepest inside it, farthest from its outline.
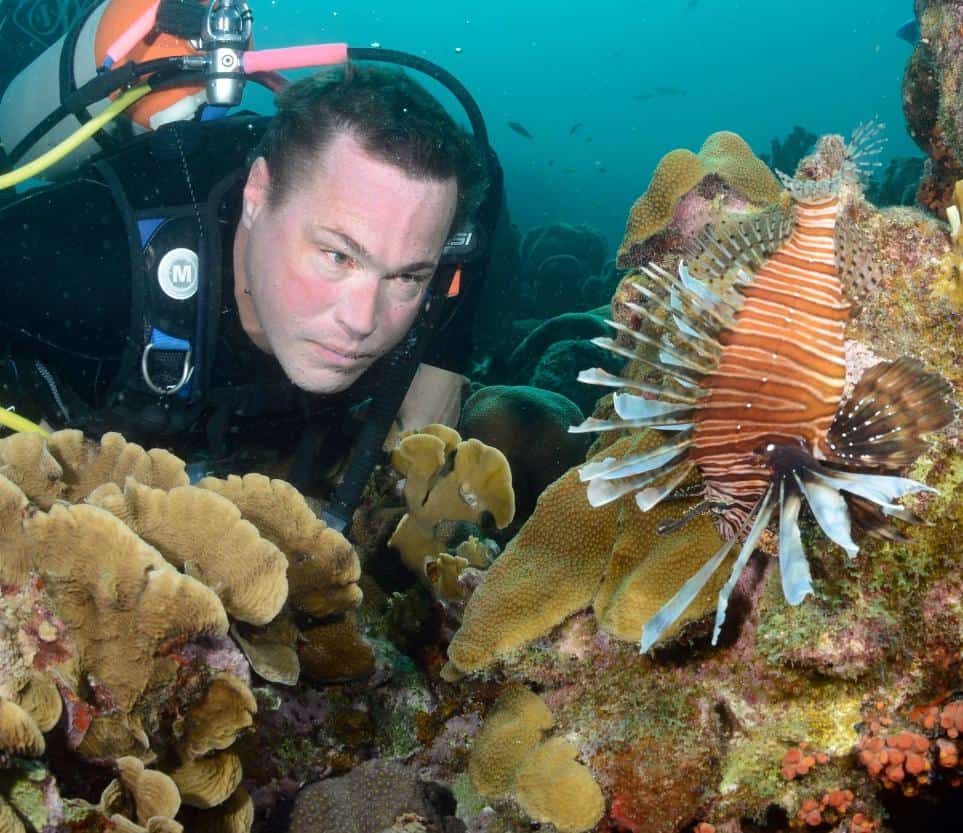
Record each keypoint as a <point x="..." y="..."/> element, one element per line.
<point x="884" y="422"/>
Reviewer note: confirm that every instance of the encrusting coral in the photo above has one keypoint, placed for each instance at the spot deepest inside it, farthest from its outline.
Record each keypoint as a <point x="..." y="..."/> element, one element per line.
<point x="98" y="623"/>
<point x="447" y="480"/>
<point x="724" y="156"/>
<point x="512" y="756"/>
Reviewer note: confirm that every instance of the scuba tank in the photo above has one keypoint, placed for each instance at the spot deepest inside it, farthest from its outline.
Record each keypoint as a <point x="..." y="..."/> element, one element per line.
<point x="47" y="83"/>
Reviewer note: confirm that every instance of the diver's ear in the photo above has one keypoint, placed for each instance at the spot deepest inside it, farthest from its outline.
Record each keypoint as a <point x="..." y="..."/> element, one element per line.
<point x="255" y="192"/>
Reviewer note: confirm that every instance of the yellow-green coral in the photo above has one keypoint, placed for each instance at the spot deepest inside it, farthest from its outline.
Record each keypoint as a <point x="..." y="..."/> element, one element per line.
<point x="570" y="555"/>
<point x="724" y="154"/>
<point x="950" y="282"/>
<point x="548" y="783"/>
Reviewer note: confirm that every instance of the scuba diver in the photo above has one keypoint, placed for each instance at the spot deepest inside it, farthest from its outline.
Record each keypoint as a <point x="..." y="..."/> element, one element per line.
<point x="245" y="290"/>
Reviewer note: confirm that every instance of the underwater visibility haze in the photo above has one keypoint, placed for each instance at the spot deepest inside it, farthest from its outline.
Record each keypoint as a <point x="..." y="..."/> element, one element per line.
<point x="684" y="558"/>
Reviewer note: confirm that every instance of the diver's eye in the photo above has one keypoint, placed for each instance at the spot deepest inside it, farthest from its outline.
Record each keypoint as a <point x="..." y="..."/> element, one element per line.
<point x="336" y="258"/>
<point x="408" y="278"/>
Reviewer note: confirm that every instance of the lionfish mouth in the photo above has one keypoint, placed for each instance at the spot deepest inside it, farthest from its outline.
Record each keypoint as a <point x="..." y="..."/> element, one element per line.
<point x="753" y="378"/>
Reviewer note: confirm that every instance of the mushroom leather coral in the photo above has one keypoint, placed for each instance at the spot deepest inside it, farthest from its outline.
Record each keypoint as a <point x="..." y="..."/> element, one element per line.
<point x="723" y="154"/>
<point x="510" y="756"/>
<point x="213" y="723"/>
<point x="569" y="555"/>
<point x="447" y="479"/>
<point x="88" y="464"/>
<point x="323" y="567"/>
<point x="19" y="734"/>
<point x="204" y="533"/>
<point x="25" y="460"/>
<point x="117" y="596"/>
<point x="209" y="781"/>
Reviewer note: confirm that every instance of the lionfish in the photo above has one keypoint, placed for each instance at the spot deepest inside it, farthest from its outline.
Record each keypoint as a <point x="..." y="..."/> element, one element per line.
<point x="752" y="393"/>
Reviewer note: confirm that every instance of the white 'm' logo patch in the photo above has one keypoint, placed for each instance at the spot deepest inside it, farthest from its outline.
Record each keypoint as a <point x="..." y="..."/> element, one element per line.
<point x="177" y="274"/>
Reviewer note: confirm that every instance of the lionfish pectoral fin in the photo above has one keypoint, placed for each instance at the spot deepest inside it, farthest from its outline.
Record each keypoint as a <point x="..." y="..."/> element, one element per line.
<point x="883" y="422"/>
<point x="797" y="581"/>
<point x="830" y="510"/>
<point x="653" y="630"/>
<point x="656" y="626"/>
<point x="763" y="512"/>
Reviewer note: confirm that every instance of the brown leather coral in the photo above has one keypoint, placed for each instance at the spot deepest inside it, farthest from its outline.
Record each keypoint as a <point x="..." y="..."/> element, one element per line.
<point x="153" y="792"/>
<point x="447" y="479"/>
<point x="19" y="734"/>
<point x="553" y="787"/>
<point x="213" y="723"/>
<point x="87" y="464"/>
<point x="13" y="510"/>
<point x="203" y="533"/>
<point x="516" y="724"/>
<point x="117" y="596"/>
<point x="323" y="567"/>
<point x="26" y="460"/>
<point x="207" y="782"/>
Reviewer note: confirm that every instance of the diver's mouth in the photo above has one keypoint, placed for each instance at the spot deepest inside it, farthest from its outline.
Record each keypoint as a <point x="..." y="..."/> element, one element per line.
<point x="336" y="355"/>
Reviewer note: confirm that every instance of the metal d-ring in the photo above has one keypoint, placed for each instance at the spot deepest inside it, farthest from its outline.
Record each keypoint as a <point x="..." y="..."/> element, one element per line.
<point x="186" y="373"/>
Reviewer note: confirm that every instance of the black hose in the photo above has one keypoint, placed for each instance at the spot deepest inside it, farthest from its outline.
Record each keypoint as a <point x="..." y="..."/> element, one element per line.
<point x="96" y="89"/>
<point x="442" y="76"/>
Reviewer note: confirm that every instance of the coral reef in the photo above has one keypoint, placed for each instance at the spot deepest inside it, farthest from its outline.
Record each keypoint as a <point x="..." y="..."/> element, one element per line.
<point x="447" y="481"/>
<point x="112" y="657"/>
<point x="932" y="83"/>
<point x="818" y="716"/>
<point x="686" y="187"/>
<point x="556" y="261"/>
<point x="530" y="427"/>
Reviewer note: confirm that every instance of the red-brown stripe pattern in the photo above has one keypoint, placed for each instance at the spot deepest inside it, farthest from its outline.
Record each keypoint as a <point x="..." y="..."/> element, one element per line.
<point x="781" y="373"/>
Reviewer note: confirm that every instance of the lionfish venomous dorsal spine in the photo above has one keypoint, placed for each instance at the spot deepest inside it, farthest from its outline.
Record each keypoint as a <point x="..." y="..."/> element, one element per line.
<point x="753" y="397"/>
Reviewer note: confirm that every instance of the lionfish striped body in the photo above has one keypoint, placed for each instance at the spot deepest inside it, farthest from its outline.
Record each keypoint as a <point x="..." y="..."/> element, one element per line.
<point x="752" y="395"/>
<point x="782" y="369"/>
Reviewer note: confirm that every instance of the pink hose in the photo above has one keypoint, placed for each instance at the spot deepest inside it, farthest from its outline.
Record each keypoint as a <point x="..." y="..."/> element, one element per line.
<point x="294" y="57"/>
<point x="121" y="47"/>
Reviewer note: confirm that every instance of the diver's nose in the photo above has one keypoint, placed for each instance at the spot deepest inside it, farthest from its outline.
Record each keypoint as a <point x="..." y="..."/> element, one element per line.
<point x="357" y="310"/>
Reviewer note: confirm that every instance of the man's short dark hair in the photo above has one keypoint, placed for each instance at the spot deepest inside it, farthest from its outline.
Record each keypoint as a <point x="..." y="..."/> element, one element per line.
<point x="393" y="118"/>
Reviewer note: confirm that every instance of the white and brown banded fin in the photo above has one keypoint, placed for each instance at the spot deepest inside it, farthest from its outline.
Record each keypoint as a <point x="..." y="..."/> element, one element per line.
<point x="863" y="148"/>
<point x="884" y="422"/>
<point x="737" y="243"/>
<point x="856" y="261"/>
<point x="763" y="513"/>
<point x="602" y="378"/>
<point x="794" y="571"/>
<point x="810" y="190"/>
<point x="612" y="468"/>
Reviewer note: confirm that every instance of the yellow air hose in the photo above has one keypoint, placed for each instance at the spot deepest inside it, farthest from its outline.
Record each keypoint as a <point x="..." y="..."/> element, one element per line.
<point x="15" y="422"/>
<point x="55" y="154"/>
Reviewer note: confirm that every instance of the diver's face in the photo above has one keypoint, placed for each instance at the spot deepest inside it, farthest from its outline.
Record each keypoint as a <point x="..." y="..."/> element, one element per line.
<point x="332" y="278"/>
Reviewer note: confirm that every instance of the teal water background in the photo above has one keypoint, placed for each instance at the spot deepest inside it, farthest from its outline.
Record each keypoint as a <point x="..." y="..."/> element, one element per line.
<point x="757" y="67"/>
